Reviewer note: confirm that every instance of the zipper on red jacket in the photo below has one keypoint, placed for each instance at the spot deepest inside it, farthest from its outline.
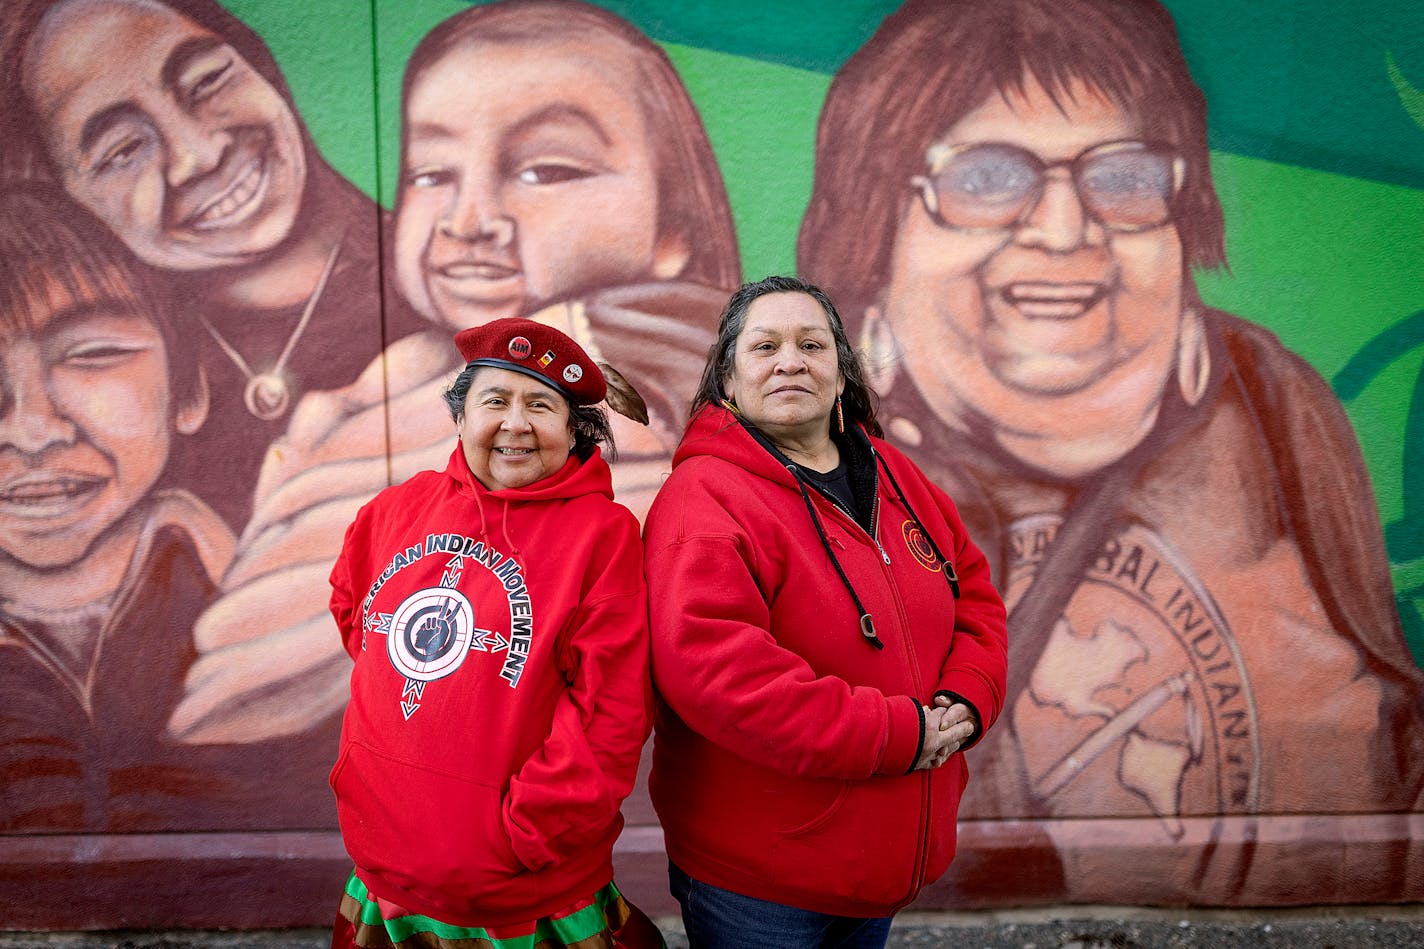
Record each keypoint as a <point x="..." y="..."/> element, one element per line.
<point x="890" y="582"/>
<point x="874" y="532"/>
<point x="926" y="797"/>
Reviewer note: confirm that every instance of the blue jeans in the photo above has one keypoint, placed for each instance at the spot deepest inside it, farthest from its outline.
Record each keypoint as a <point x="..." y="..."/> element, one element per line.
<point x="720" y="919"/>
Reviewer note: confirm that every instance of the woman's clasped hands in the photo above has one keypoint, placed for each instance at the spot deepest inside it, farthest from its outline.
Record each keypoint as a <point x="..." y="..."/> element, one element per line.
<point x="947" y="728"/>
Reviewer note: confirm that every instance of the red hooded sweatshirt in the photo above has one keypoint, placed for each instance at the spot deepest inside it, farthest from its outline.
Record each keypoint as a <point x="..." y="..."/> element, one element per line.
<point x="785" y="741"/>
<point x="500" y="696"/>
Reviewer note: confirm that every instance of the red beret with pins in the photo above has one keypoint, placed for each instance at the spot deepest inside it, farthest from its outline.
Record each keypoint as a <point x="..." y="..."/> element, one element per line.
<point x="536" y="350"/>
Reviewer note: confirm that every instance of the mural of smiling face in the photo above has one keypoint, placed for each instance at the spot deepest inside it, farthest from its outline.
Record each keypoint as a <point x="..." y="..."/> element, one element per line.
<point x="86" y="421"/>
<point x="166" y="133"/>
<point x="528" y="175"/>
<point x="1059" y="333"/>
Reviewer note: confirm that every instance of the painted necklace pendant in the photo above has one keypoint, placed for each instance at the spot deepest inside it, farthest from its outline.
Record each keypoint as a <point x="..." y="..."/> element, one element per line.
<point x="267" y="396"/>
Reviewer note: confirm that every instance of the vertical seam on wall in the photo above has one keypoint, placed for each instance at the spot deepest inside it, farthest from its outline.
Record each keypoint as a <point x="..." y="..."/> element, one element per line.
<point x="381" y="258"/>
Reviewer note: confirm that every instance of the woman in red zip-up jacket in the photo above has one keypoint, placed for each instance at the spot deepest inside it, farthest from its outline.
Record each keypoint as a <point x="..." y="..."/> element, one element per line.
<point x="825" y="641"/>
<point x="500" y="697"/>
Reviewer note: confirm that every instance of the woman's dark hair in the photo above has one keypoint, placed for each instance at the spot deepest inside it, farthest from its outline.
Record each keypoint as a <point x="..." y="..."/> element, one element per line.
<point x="857" y="401"/>
<point x="692" y="200"/>
<point x="48" y="242"/>
<point x="588" y="422"/>
<point x="932" y="62"/>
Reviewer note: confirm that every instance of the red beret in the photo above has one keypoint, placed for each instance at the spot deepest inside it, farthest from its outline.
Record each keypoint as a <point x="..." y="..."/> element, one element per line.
<point x="536" y="350"/>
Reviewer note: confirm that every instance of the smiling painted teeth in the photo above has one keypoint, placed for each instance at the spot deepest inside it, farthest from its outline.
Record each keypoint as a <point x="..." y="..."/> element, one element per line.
<point x="1055" y="301"/>
<point x="1051" y="293"/>
<point x="46" y="491"/>
<point x="227" y="207"/>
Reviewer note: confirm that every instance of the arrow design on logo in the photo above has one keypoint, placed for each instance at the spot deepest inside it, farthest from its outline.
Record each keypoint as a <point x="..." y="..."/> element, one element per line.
<point x="410" y="697"/>
<point x="453" y="569"/>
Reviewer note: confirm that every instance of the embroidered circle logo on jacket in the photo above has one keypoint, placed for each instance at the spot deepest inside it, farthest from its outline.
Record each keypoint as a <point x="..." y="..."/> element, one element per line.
<point x="919" y="547"/>
<point x="431" y="634"/>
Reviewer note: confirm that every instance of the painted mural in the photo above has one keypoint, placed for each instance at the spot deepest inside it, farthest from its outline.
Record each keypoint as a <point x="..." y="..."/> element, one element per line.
<point x="1091" y="309"/>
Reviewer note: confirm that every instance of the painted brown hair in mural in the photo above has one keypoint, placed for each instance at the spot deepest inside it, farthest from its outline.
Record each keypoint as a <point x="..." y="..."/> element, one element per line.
<point x="1178" y="512"/>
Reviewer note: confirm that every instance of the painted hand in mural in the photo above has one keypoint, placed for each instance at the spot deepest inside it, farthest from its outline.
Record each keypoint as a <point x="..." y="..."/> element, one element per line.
<point x="334" y="459"/>
<point x="270" y="663"/>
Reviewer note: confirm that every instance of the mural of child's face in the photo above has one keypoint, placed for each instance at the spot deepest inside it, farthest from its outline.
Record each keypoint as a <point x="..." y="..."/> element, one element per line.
<point x="86" y="418"/>
<point x="168" y="135"/>
<point x="1029" y="324"/>
<point x="528" y="175"/>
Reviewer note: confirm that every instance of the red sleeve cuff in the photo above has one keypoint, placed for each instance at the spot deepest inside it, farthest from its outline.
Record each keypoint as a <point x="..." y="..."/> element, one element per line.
<point x="906" y="731"/>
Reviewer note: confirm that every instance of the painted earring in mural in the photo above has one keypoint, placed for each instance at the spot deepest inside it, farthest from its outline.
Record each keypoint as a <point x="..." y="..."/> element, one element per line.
<point x="1203" y="644"/>
<point x="552" y="166"/>
<point x="171" y="123"/>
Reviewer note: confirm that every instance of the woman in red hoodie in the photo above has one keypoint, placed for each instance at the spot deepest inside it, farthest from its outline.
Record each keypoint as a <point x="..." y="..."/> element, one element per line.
<point x="496" y="613"/>
<point x="825" y="641"/>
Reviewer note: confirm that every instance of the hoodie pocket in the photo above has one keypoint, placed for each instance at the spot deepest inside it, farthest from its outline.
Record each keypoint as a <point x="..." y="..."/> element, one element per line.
<point x="826" y="814"/>
<point x="420" y="829"/>
<point x="946" y="790"/>
<point x="862" y="847"/>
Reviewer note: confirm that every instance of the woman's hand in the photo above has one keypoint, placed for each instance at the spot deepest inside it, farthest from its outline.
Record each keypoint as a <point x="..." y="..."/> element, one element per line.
<point x="946" y="730"/>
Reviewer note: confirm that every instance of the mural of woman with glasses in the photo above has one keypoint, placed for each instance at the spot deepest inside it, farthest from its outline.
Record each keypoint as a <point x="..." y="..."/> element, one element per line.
<point x="1011" y="198"/>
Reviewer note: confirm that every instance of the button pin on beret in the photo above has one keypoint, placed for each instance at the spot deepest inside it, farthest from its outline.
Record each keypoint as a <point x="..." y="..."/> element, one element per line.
<point x="512" y="344"/>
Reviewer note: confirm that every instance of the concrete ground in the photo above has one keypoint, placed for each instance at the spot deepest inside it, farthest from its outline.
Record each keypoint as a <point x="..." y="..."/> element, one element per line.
<point x="1065" y="927"/>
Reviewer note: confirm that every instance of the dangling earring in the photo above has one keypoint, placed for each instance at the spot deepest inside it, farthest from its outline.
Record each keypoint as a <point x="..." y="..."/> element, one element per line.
<point x="840" y="417"/>
<point x="730" y="406"/>
<point x="879" y="350"/>
<point x="1193" y="358"/>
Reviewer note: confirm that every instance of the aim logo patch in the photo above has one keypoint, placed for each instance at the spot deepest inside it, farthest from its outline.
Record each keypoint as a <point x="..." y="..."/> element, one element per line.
<point x="430" y="634"/>
<point x="919" y="546"/>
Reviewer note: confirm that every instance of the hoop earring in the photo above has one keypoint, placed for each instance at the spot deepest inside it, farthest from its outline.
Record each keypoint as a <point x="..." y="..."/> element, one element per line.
<point x="1193" y="358"/>
<point x="879" y="351"/>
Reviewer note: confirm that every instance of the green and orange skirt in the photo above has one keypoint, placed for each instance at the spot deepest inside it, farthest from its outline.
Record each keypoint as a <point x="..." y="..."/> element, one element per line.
<point x="604" y="921"/>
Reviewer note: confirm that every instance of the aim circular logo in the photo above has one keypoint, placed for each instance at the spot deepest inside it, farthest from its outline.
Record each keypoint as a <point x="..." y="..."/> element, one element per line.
<point x="431" y="634"/>
<point x="919" y="546"/>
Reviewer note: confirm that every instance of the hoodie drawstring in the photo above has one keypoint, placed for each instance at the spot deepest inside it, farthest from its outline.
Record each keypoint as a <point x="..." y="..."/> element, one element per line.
<point x="508" y="542"/>
<point x="480" y="506"/>
<point x="867" y="624"/>
<point x="948" y="568"/>
<point x="504" y="525"/>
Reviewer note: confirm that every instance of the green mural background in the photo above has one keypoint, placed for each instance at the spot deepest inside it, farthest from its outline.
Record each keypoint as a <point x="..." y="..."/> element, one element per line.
<point x="1316" y="155"/>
